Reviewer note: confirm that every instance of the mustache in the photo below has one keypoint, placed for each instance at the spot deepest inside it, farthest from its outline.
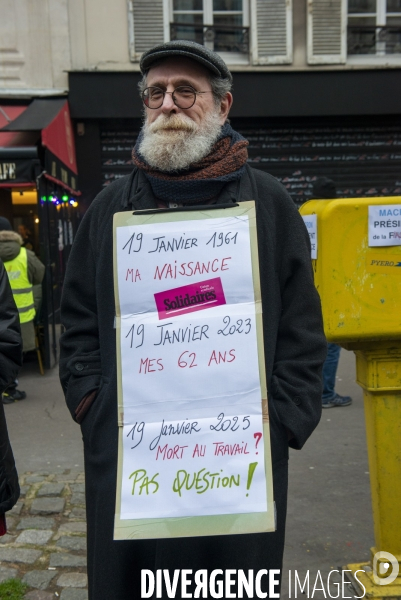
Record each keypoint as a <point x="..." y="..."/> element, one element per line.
<point x="173" y="122"/>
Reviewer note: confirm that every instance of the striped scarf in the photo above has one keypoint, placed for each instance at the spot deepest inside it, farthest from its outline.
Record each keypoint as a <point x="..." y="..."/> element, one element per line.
<point x="205" y="179"/>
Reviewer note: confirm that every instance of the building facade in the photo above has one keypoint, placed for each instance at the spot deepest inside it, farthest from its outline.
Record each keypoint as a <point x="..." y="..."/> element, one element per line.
<point x="38" y="171"/>
<point x="316" y="84"/>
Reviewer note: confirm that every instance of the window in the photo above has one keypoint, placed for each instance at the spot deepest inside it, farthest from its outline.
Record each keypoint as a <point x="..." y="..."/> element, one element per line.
<point x="374" y="27"/>
<point x="221" y="25"/>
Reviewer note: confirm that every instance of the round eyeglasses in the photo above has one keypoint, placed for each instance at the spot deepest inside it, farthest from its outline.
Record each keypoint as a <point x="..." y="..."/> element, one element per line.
<point x="184" y="96"/>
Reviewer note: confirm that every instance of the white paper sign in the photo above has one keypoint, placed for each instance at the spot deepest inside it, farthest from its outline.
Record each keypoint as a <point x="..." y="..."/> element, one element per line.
<point x="311" y="225"/>
<point x="385" y="225"/>
<point x="190" y="376"/>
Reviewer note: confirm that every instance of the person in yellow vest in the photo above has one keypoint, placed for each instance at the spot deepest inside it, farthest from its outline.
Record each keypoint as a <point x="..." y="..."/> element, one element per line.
<point x="24" y="270"/>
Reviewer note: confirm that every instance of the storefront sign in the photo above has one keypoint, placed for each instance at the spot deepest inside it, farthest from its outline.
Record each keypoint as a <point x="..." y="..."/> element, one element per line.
<point x="17" y="171"/>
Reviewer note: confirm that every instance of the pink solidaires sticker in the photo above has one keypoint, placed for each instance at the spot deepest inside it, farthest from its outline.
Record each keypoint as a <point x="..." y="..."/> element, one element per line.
<point x="189" y="298"/>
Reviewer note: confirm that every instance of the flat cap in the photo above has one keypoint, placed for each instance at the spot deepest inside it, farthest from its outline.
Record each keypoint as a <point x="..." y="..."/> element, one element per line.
<point x="211" y="60"/>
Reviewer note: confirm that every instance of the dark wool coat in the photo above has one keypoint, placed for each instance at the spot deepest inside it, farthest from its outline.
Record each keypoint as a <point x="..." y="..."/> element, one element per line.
<point x="295" y="350"/>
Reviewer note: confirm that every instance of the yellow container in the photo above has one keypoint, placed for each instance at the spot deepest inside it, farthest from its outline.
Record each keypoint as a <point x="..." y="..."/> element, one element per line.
<point x="359" y="286"/>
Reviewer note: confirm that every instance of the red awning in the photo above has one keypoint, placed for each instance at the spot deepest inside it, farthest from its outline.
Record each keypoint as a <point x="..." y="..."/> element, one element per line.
<point x="59" y="139"/>
<point x="18" y="151"/>
<point x="7" y="115"/>
<point x="49" y="118"/>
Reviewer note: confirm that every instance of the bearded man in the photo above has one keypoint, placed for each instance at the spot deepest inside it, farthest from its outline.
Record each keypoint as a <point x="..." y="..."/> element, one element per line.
<point x="187" y="154"/>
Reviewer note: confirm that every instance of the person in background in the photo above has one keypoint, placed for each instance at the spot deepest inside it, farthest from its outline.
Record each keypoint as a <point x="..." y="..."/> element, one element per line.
<point x="10" y="362"/>
<point x="27" y="241"/>
<point x="325" y="189"/>
<point x="24" y="270"/>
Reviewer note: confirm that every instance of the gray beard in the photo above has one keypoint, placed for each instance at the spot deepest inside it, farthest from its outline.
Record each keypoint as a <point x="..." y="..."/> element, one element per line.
<point x="174" y="143"/>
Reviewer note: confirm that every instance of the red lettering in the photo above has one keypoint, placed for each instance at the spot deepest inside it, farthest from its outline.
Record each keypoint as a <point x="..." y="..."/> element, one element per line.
<point x="197" y="269"/>
<point x="199" y="450"/>
<point x="161" y="451"/>
<point x="148" y="365"/>
<point x="133" y="277"/>
<point x="143" y="363"/>
<point x="170" y="453"/>
<point x="221" y="357"/>
<point x="225" y="267"/>
<point x="213" y="357"/>
<point x="222" y="449"/>
<point x="159" y="273"/>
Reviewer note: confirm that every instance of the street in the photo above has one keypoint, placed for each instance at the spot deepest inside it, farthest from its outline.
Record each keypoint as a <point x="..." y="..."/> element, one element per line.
<point x="329" y="522"/>
<point x="329" y="519"/>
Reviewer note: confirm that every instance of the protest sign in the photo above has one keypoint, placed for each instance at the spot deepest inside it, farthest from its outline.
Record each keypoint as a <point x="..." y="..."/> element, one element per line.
<point x="311" y="225"/>
<point x="193" y="438"/>
<point x="385" y="225"/>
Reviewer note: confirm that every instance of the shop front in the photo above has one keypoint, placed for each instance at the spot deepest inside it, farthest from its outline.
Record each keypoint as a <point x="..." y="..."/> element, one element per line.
<point x="298" y="128"/>
<point x="39" y="196"/>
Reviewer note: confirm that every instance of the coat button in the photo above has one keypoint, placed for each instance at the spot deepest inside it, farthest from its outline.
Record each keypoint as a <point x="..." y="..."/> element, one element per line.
<point x="79" y="366"/>
<point x="297" y="400"/>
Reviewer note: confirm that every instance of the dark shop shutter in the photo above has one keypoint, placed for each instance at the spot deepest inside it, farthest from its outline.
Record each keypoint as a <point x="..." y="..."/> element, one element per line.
<point x="146" y="26"/>
<point x="117" y="139"/>
<point x="362" y="156"/>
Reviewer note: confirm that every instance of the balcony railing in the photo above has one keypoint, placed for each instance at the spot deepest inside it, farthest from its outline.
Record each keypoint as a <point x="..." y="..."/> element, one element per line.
<point x="225" y="38"/>
<point x="372" y="39"/>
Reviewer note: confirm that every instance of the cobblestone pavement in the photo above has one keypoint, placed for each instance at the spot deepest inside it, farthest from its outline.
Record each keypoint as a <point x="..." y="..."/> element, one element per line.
<point x="45" y="545"/>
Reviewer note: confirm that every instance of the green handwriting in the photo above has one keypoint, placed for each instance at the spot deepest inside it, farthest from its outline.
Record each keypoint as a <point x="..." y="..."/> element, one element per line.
<point x="202" y="481"/>
<point x="141" y="482"/>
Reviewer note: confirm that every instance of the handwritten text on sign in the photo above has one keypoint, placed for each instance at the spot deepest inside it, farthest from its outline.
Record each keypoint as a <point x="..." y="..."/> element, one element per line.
<point x="190" y="373"/>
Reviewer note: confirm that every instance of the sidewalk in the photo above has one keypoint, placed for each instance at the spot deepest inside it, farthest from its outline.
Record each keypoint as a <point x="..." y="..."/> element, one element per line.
<point x="329" y="517"/>
<point x="329" y="522"/>
<point x="45" y="545"/>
